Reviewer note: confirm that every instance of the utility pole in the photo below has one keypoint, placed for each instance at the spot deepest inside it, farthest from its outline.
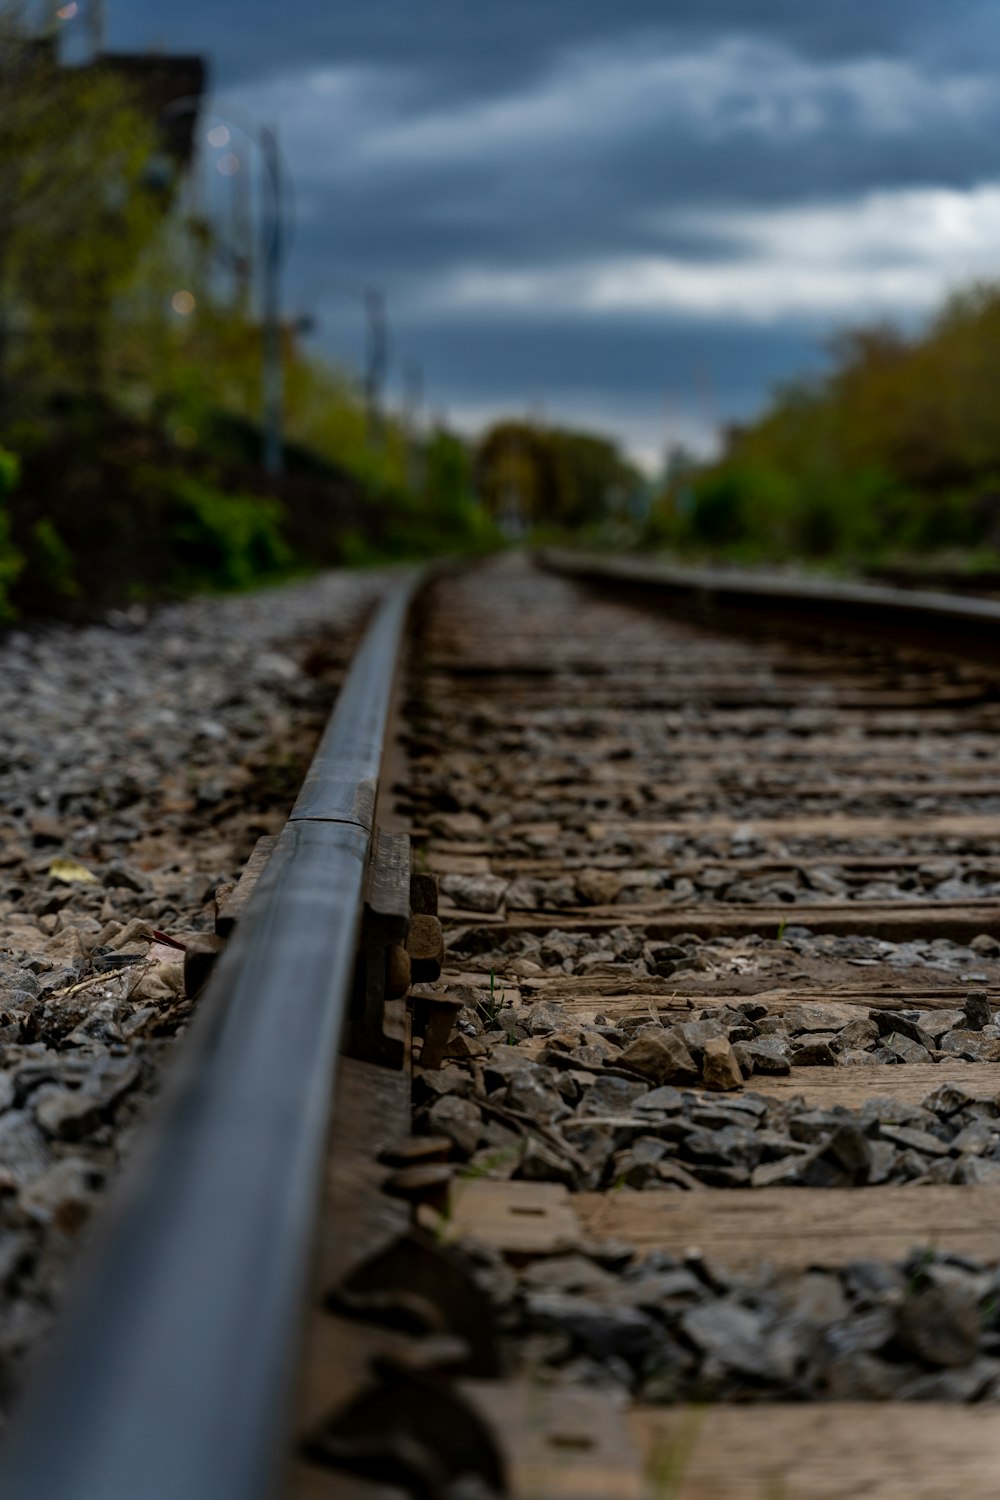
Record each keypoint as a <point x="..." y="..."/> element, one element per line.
<point x="272" y="252"/>
<point x="413" y="401"/>
<point x="272" y="248"/>
<point x="375" y="363"/>
<point x="96" y="21"/>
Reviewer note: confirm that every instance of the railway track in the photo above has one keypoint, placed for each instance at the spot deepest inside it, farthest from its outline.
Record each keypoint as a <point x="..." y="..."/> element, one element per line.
<point x="678" y="1171"/>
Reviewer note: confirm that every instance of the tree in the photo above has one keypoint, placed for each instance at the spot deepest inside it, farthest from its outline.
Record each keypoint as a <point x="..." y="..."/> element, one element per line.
<point x="76" y="207"/>
<point x="552" y="476"/>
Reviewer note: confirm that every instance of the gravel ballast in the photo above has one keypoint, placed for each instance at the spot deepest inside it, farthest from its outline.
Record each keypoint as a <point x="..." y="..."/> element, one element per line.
<point x="140" y="760"/>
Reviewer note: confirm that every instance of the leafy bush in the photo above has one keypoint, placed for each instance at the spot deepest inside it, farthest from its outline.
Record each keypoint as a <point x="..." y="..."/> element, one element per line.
<point x="52" y="560"/>
<point x="224" y="541"/>
<point x="9" y="470"/>
<point x="11" y="561"/>
<point x="895" y="449"/>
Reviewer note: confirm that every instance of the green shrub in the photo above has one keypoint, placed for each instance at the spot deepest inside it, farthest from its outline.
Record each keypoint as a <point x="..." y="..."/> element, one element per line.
<point x="11" y="561"/>
<point x="9" y="471"/>
<point x="225" y="541"/>
<point x="52" y="560"/>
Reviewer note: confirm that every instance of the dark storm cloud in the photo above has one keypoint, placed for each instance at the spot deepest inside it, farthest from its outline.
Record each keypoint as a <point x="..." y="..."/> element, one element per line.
<point x="568" y="195"/>
<point x="726" y="365"/>
<point x="469" y="45"/>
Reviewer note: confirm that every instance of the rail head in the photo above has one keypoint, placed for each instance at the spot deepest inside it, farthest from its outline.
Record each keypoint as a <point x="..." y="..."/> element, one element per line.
<point x="170" y="1371"/>
<point x="817" y="597"/>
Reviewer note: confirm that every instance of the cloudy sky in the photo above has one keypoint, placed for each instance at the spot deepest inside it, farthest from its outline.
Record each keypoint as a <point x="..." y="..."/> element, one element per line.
<point x="635" y="214"/>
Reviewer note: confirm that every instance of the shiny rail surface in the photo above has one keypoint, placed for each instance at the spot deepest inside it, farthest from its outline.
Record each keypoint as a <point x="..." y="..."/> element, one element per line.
<point x="939" y="616"/>
<point x="171" y="1370"/>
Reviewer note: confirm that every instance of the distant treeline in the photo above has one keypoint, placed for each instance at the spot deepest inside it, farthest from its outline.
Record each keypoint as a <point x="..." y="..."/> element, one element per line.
<point x="896" y="449"/>
<point x="535" y="477"/>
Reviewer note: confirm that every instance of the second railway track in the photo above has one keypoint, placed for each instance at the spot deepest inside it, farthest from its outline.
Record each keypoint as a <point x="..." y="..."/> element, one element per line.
<point x="681" y="1177"/>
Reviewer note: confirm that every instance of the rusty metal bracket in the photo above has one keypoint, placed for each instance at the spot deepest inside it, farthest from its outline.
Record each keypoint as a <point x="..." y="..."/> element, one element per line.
<point x="401" y="941"/>
<point x="376" y="1026"/>
<point x="425" y="942"/>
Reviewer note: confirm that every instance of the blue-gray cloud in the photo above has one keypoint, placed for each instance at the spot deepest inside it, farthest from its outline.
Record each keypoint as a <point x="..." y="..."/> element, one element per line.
<point x="565" y="196"/>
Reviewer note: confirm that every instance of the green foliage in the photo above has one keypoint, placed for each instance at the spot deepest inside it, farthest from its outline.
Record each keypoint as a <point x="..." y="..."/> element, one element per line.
<point x="53" y="560"/>
<point x="11" y="561"/>
<point x="551" y="477"/>
<point x="221" y="540"/>
<point x="9" y="471"/>
<point x="136" y="413"/>
<point x="895" y="449"/>
<point x="74" y="213"/>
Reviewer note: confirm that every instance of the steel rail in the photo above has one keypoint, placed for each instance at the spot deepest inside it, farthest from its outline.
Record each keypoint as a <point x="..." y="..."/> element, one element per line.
<point x="172" y="1369"/>
<point x="947" y="614"/>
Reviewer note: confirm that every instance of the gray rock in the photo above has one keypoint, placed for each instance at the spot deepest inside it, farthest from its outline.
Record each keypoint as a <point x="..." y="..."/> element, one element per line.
<point x="62" y="1196"/>
<point x="719" y="1069"/>
<point x="973" y="1045"/>
<point x="659" y="1291"/>
<point x="720" y="1176"/>
<point x="665" y="1100"/>
<point x="529" y="1094"/>
<point x="715" y="1113"/>
<point x="611" y="1096"/>
<point x="18" y="985"/>
<point x="737" y="1339"/>
<point x="975" y="1139"/>
<point x="814" y="1017"/>
<point x="857" y="1035"/>
<point x="636" y="1166"/>
<point x="126" y="877"/>
<point x="863" y="1377"/>
<point x="766" y="1054"/>
<point x="908" y="1051"/>
<point x="475" y="892"/>
<point x="24" y="1154"/>
<point x="459" y="1119"/>
<point x="883" y="1161"/>
<point x="673" y="1175"/>
<point x="974" y="1169"/>
<point x="15" y="1252"/>
<point x="110" y="1079"/>
<point x="864" y="1333"/>
<point x="734" y="1145"/>
<point x="813" y="1052"/>
<point x="541" y="1163"/>
<point x="775" y="1145"/>
<point x="815" y="1125"/>
<point x="65" y="1114"/>
<point x="575" y="1274"/>
<point x="662" y="1057"/>
<point x="594" y="1141"/>
<point x="547" y="1018"/>
<point x="438" y="1082"/>
<point x="601" y="1330"/>
<point x="977" y="1009"/>
<point x="815" y="1297"/>
<point x="952" y="1385"/>
<point x="783" y="1171"/>
<point x="697" y="1033"/>
<point x="894" y="1024"/>
<point x="842" y="1161"/>
<point x="937" y="1022"/>
<point x="914" y="1140"/>
<point x="940" y="1325"/>
<point x="872" y="1281"/>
